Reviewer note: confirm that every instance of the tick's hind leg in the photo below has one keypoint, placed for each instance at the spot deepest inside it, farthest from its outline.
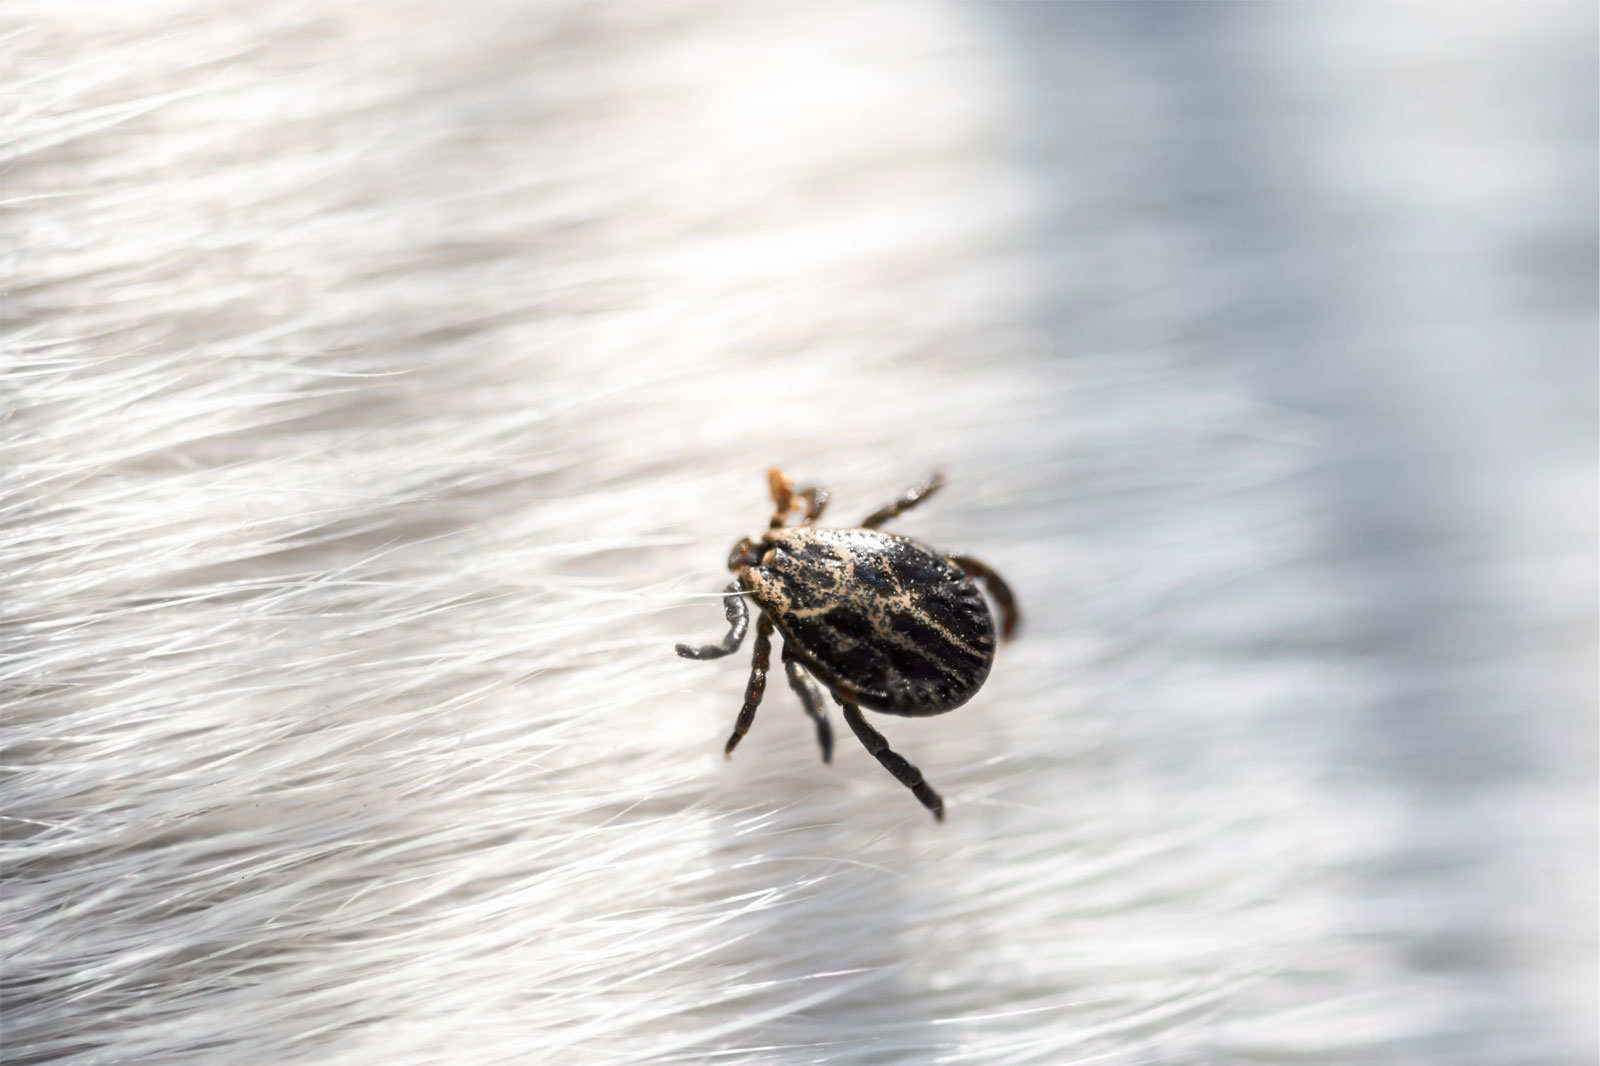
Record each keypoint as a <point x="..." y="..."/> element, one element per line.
<point x="1009" y="615"/>
<point x="909" y="499"/>
<point x="738" y="614"/>
<point x="756" y="686"/>
<point x="811" y="700"/>
<point x="903" y="771"/>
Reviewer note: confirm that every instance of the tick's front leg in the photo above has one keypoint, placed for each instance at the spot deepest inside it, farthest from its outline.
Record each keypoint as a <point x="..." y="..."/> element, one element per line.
<point x="738" y="614"/>
<point x="756" y="686"/>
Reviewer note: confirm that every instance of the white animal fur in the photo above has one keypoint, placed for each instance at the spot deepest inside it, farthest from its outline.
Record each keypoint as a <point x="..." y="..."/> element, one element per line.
<point x="385" y="383"/>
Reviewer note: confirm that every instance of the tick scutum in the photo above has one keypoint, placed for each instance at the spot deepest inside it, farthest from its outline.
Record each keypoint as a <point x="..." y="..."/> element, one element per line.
<point x="881" y="619"/>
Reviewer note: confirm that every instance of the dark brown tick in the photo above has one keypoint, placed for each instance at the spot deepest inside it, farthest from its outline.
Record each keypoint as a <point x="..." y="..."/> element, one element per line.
<point x="883" y="621"/>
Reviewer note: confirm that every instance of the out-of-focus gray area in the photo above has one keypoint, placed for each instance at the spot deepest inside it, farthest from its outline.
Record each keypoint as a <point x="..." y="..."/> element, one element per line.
<point x="1381" y="220"/>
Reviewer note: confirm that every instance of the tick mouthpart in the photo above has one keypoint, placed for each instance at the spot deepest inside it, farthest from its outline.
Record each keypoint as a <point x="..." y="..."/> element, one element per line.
<point x="747" y="552"/>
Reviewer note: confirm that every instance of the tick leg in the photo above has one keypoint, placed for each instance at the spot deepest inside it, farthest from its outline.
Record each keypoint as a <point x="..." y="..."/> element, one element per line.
<point x="738" y="613"/>
<point x="816" y="502"/>
<point x="908" y="500"/>
<point x="782" y="490"/>
<point x="811" y="700"/>
<point x="903" y="771"/>
<point x="758" y="684"/>
<point x="1009" y="615"/>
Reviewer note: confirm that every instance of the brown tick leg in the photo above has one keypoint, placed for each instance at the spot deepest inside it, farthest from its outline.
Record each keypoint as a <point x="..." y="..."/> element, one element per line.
<point x="811" y="700"/>
<point x="816" y="502"/>
<point x="738" y="613"/>
<point x="758" y="684"/>
<point x="903" y="771"/>
<point x="1009" y="615"/>
<point x="908" y="500"/>
<point x="782" y="490"/>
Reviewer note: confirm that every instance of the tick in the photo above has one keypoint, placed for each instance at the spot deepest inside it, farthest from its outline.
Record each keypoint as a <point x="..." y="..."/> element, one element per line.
<point x="882" y="621"/>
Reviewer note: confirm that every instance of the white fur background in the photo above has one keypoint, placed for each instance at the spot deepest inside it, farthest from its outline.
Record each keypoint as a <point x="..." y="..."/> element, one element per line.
<point x="385" y="383"/>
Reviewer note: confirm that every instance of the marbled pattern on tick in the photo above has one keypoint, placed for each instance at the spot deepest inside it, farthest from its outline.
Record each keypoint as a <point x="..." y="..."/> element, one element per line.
<point x="883" y="620"/>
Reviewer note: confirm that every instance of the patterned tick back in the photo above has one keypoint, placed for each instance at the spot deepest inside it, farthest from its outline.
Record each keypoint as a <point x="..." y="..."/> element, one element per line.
<point x="880" y="618"/>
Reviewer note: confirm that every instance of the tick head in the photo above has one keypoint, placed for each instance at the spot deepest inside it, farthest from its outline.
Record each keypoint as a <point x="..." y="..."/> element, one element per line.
<point x="747" y="552"/>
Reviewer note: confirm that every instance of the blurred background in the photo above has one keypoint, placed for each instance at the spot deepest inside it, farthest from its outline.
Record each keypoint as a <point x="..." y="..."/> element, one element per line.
<point x="383" y="386"/>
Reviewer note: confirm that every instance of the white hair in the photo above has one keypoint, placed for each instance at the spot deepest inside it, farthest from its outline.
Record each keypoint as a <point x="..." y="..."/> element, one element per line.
<point x="384" y="385"/>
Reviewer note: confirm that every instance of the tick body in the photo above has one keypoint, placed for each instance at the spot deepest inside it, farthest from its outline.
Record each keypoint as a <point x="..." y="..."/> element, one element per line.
<point x="882" y="621"/>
